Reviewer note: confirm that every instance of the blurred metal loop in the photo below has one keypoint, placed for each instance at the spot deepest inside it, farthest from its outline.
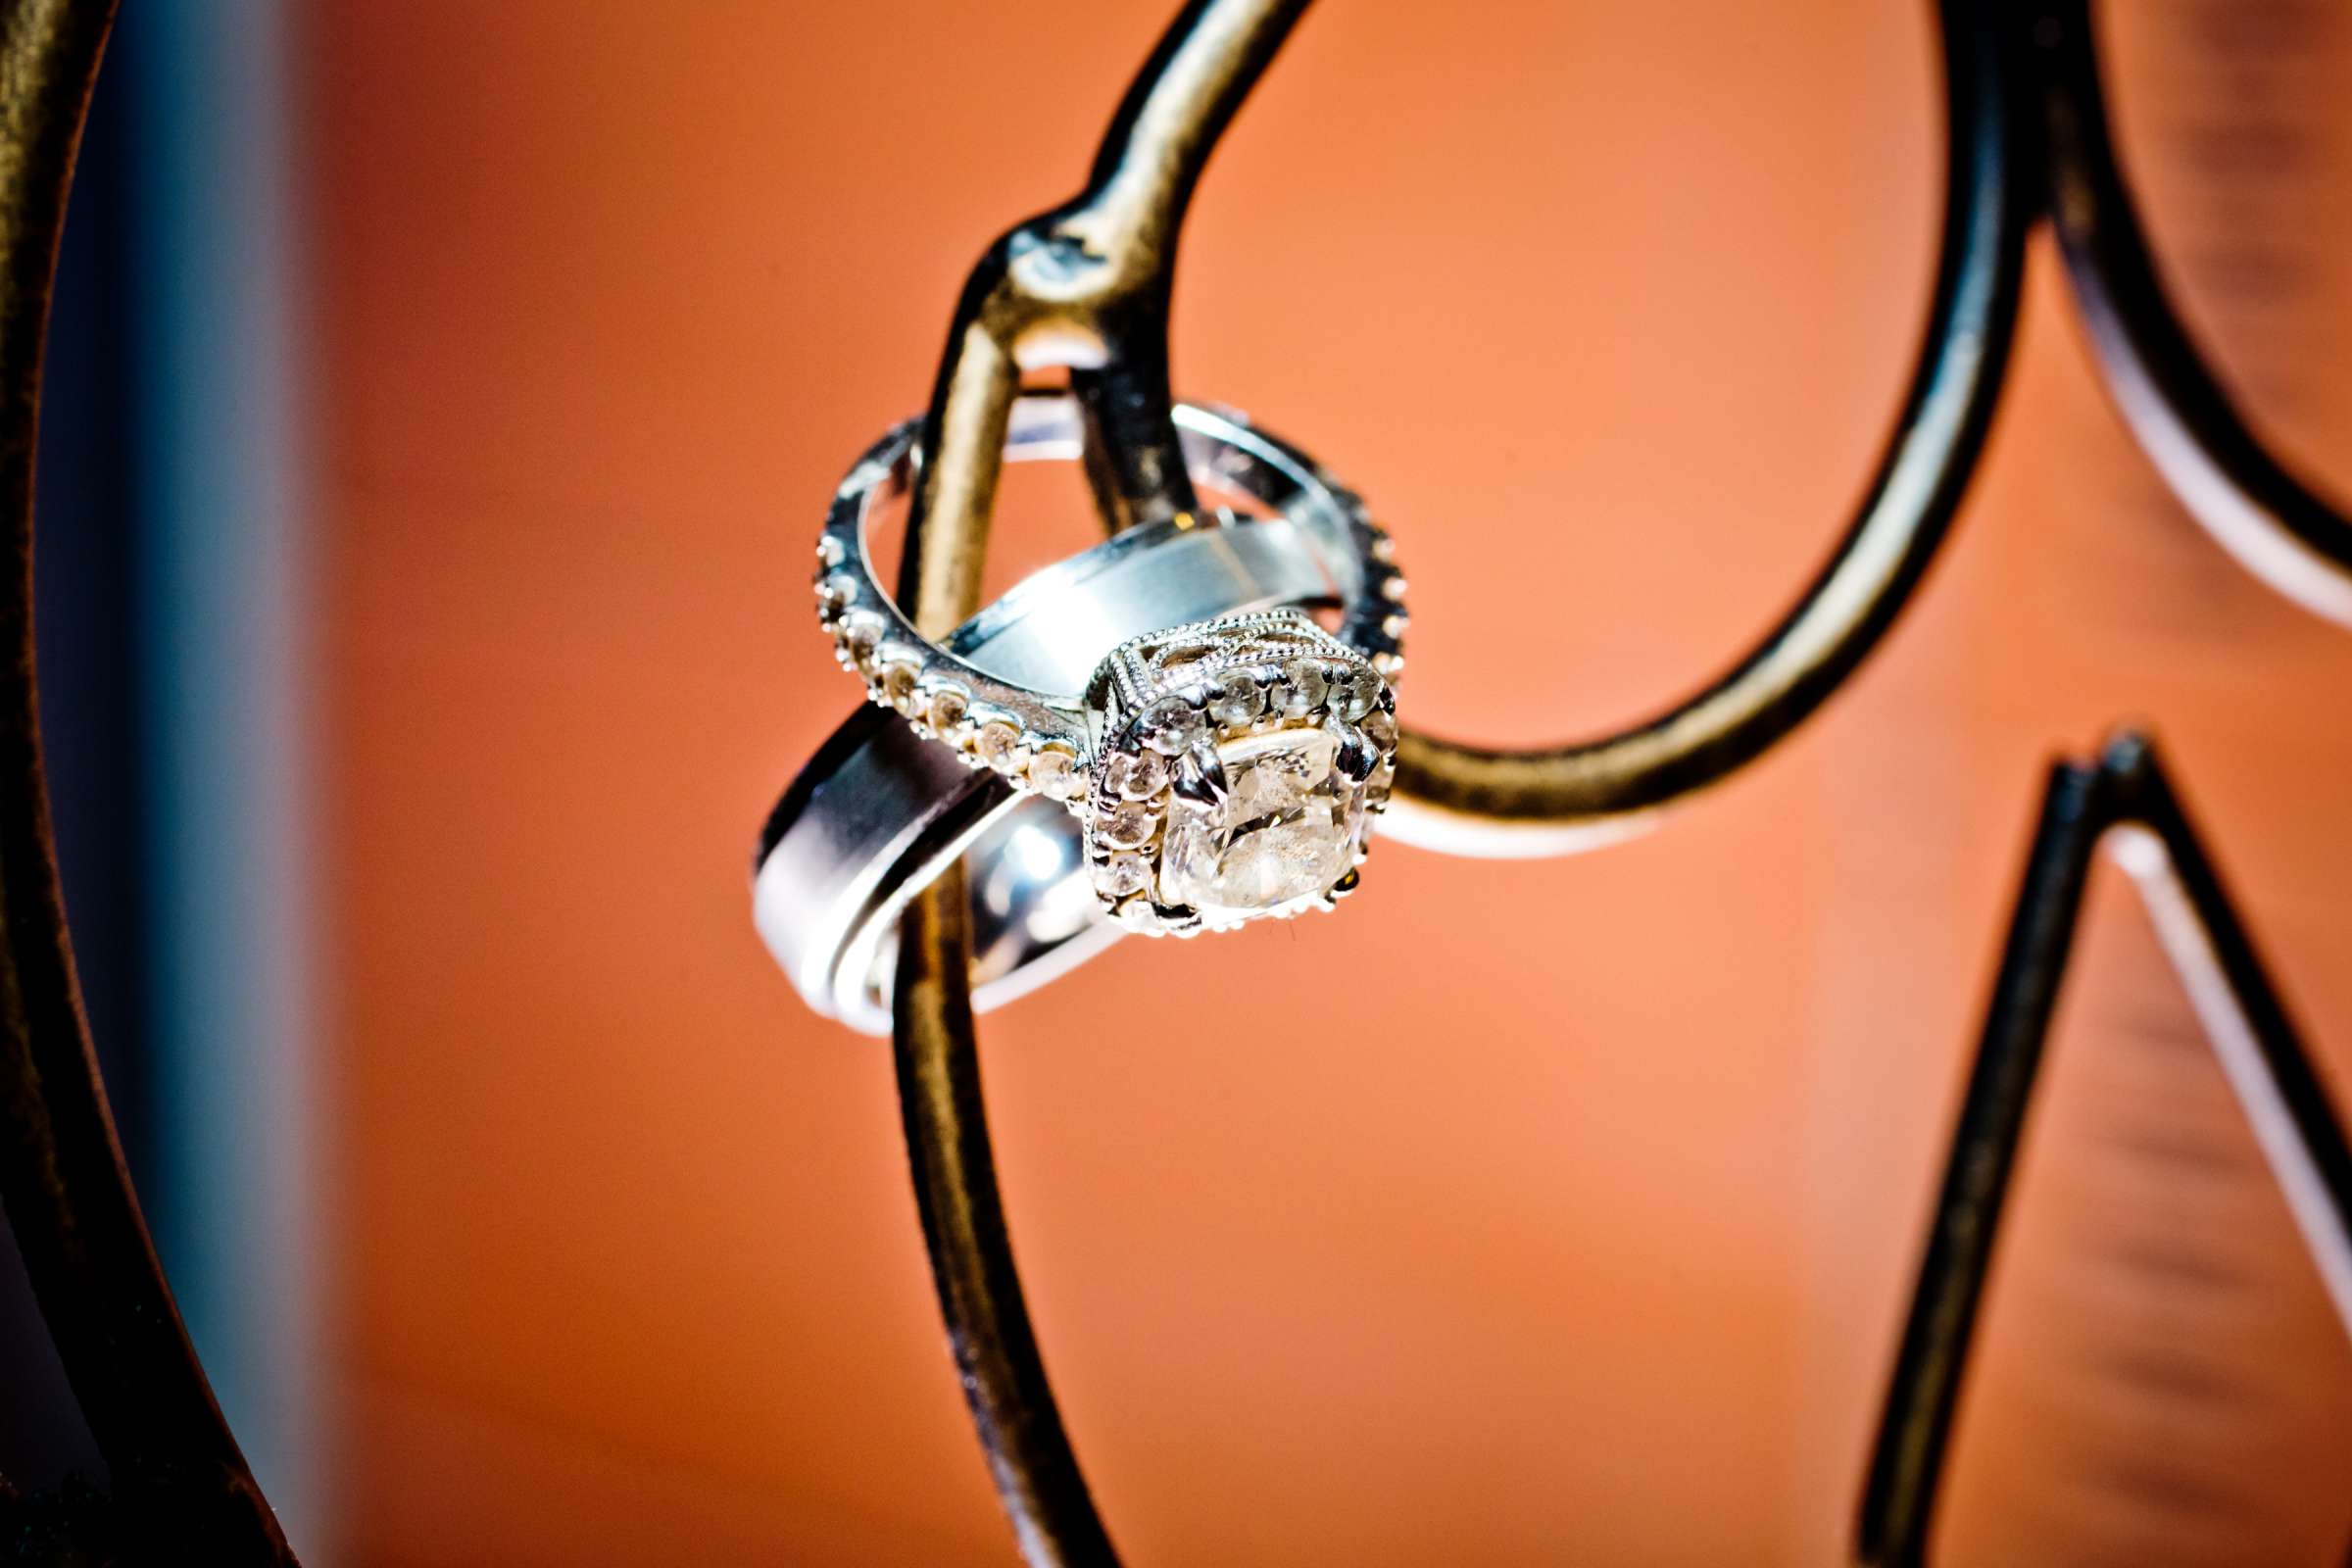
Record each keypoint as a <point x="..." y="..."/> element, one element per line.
<point x="183" y="1490"/>
<point x="2125" y="803"/>
<point x="2276" y="526"/>
<point x="1470" y="800"/>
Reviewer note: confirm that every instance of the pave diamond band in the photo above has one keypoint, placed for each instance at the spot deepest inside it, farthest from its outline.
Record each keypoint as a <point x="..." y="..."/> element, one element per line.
<point x="1039" y="738"/>
<point x="879" y="811"/>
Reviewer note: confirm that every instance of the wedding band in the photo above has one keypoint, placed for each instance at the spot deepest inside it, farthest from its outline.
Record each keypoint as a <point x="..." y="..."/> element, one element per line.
<point x="880" y="812"/>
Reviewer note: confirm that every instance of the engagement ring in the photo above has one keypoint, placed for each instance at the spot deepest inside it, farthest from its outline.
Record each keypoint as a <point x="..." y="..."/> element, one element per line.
<point x="1263" y="809"/>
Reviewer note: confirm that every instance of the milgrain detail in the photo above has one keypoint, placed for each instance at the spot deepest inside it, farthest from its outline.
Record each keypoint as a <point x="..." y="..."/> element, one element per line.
<point x="1044" y="741"/>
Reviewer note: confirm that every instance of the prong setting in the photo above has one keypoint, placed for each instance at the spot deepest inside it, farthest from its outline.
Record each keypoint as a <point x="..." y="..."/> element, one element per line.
<point x="1240" y="763"/>
<point x="1200" y="779"/>
<point x="1054" y="740"/>
<point x="1357" y="756"/>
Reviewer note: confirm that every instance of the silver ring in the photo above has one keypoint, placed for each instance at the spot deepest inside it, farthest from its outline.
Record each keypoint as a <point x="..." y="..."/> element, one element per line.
<point x="881" y="810"/>
<point x="1042" y="736"/>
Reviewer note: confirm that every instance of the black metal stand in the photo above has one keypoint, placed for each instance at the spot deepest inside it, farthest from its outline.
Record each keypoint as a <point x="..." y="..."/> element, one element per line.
<point x="2125" y="800"/>
<point x="2006" y="167"/>
<point x="1091" y="279"/>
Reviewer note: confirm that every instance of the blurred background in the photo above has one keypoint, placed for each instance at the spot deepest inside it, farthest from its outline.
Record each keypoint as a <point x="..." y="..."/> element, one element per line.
<point x="443" y="398"/>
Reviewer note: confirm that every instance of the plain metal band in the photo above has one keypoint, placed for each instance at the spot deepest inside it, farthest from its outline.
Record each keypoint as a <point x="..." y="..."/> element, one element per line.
<point x="879" y="811"/>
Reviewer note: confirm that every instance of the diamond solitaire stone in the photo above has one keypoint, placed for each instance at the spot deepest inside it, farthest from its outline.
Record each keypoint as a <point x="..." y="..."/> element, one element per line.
<point x="1289" y="827"/>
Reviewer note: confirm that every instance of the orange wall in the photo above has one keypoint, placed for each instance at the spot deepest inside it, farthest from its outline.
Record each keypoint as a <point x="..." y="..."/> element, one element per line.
<point x="1580" y="1231"/>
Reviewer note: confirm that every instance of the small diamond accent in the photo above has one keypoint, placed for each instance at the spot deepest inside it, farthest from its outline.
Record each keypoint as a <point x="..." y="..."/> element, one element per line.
<point x="1126" y="826"/>
<point x="1054" y="774"/>
<point x="1172" y="725"/>
<point x="1302" y="688"/>
<point x="948" y="708"/>
<point x="861" y="634"/>
<point x="1136" y="776"/>
<point x="897" y="684"/>
<point x="999" y="745"/>
<point x="1236" y="700"/>
<point x="1354" y="693"/>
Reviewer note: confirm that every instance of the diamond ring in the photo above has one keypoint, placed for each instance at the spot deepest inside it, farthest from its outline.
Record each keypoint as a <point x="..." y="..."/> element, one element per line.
<point x="1040" y="740"/>
<point x="1238" y="763"/>
<point x="879" y="812"/>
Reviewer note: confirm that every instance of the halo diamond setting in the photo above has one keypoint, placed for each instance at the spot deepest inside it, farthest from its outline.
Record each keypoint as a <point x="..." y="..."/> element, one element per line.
<point x="1238" y="765"/>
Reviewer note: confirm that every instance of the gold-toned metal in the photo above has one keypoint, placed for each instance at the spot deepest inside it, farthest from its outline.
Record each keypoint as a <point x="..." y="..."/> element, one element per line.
<point x="1053" y="292"/>
<point x="997" y="1359"/>
<point x="184" y="1491"/>
<point x="1084" y="289"/>
<point x="1087" y="287"/>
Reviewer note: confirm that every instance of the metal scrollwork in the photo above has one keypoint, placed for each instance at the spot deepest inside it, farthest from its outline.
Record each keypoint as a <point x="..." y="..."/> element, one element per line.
<point x="2006" y="167"/>
<point x="1086" y="289"/>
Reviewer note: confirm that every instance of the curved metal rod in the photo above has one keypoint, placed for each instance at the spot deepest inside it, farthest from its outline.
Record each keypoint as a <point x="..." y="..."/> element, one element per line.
<point x="2276" y="526"/>
<point x="1008" y="320"/>
<point x="178" y="1477"/>
<point x="1087" y="287"/>
<point x="1477" y="801"/>
<point x="1503" y="801"/>
<point x="2126" y="803"/>
<point x="1083" y="286"/>
<point x="997" y="1359"/>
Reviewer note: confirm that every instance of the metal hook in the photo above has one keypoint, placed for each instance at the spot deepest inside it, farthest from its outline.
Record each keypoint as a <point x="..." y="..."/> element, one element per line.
<point x="1045" y="295"/>
<point x="1085" y="287"/>
<point x="1091" y="311"/>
